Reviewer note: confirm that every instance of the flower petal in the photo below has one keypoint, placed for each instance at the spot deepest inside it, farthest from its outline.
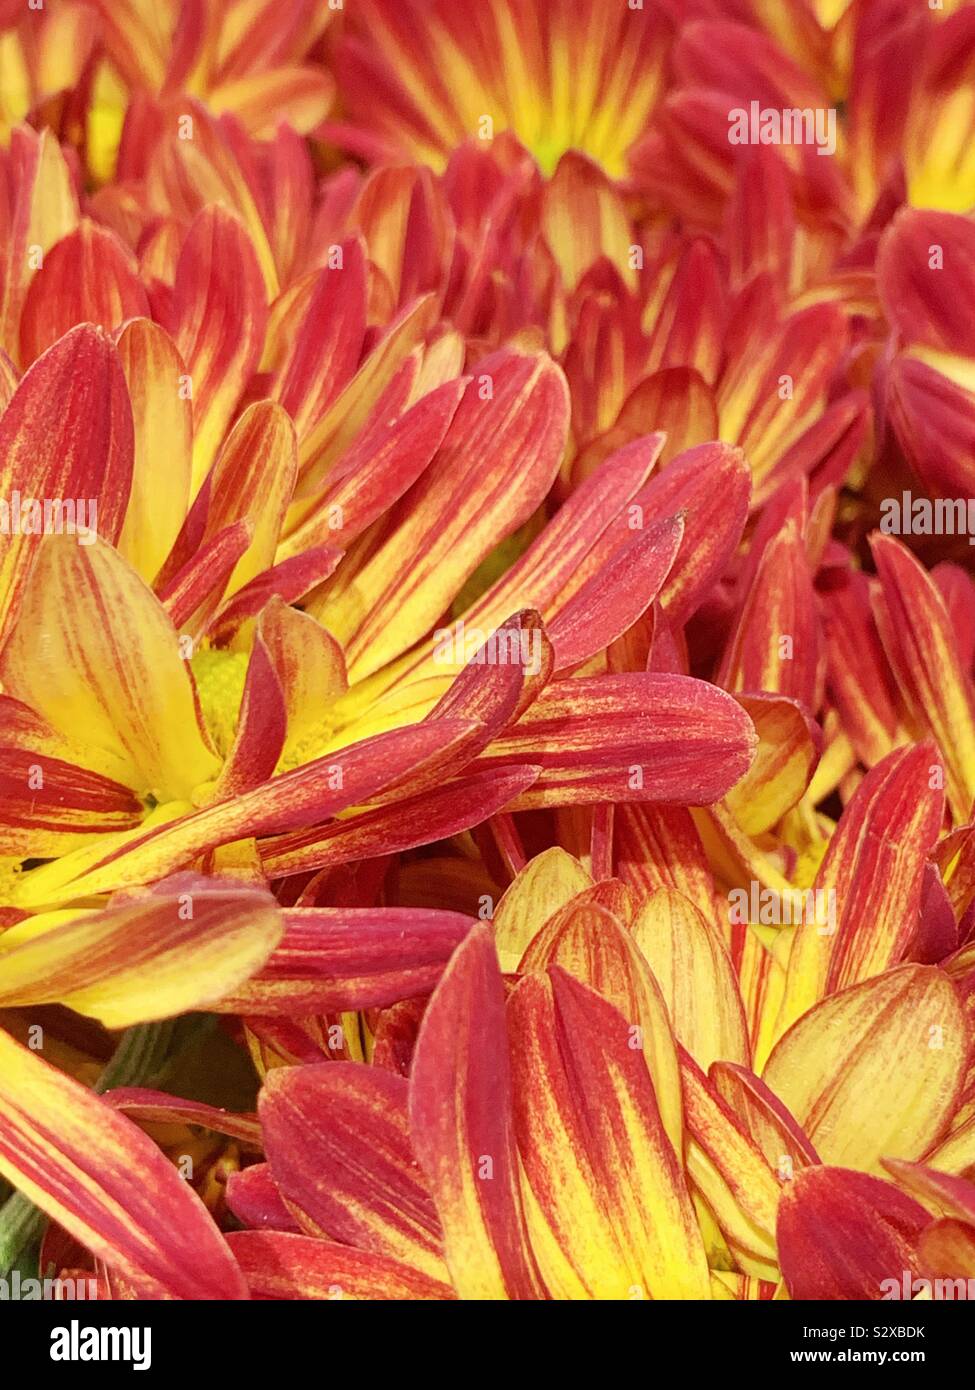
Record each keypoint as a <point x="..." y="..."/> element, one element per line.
<point x="875" y="1071"/>
<point x="659" y="847"/>
<point x="630" y="737"/>
<point x="153" y="956"/>
<point x="620" y="593"/>
<point x="162" y="470"/>
<point x="729" y="1170"/>
<point x="844" y="1235"/>
<point x="219" y="316"/>
<point x="920" y="645"/>
<point x="157" y="1107"/>
<point x="874" y="867"/>
<point x="463" y="1131"/>
<point x="691" y="964"/>
<point x="67" y="435"/>
<point x="333" y="959"/>
<point x="74" y="1156"/>
<point x="280" y="1265"/>
<point x="96" y="654"/>
<point x="609" y="1210"/>
<point x="588" y="941"/>
<point x="326" y="341"/>
<point x="253" y="479"/>
<point x="49" y="804"/>
<point x="432" y="814"/>
<point x="87" y="277"/>
<point x="946" y="1250"/>
<point x="337" y="1137"/>
<point x="547" y="882"/>
<point x="314" y="791"/>
<point x="789" y="744"/>
<point x="497" y="462"/>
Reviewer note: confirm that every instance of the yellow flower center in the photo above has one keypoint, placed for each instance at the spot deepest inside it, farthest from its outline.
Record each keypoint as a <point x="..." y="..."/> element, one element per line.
<point x="220" y="677"/>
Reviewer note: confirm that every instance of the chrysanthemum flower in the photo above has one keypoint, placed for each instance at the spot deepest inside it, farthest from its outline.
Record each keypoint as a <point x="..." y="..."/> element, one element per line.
<point x="44" y="51"/>
<point x="130" y="694"/>
<point x="242" y="57"/>
<point x="569" y="1189"/>
<point x="417" y="80"/>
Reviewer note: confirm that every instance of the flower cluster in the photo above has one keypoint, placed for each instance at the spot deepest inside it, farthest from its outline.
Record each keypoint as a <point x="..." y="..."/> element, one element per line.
<point x="487" y="632"/>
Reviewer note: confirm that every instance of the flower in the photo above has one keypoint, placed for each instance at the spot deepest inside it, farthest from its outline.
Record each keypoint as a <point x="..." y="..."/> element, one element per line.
<point x="559" y="79"/>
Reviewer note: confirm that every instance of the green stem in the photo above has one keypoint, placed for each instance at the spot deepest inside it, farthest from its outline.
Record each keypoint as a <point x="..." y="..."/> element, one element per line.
<point x="21" y="1225"/>
<point x="137" y="1059"/>
<point x="139" y="1056"/>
